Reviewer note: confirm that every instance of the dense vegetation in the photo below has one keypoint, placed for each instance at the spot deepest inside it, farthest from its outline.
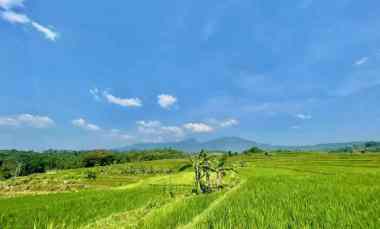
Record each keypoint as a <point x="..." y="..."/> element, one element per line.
<point x="367" y="147"/>
<point x="15" y="163"/>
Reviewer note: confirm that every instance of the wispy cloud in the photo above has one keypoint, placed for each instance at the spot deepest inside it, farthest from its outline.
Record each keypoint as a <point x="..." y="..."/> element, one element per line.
<point x="95" y="93"/>
<point x="9" y="4"/>
<point x="83" y="124"/>
<point x="229" y="122"/>
<point x="118" y="134"/>
<point x="361" y="61"/>
<point x="155" y="131"/>
<point x="358" y="81"/>
<point x="15" y="18"/>
<point x="223" y="123"/>
<point x="115" y="134"/>
<point x="49" y="34"/>
<point x="124" y="102"/>
<point x="198" y="127"/>
<point x="9" y="15"/>
<point x="166" y="101"/>
<point x="304" y="116"/>
<point x="29" y="120"/>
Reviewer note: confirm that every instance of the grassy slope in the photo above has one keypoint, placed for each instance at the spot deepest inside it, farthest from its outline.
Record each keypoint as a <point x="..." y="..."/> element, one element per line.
<point x="298" y="191"/>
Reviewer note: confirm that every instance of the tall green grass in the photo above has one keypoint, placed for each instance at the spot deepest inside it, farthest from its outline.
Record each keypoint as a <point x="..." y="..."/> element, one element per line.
<point x="279" y="191"/>
<point x="71" y="210"/>
<point x="282" y="198"/>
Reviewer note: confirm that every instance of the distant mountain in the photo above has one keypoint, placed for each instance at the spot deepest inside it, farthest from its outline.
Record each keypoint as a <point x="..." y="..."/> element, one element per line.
<point x="234" y="144"/>
<point x="327" y="146"/>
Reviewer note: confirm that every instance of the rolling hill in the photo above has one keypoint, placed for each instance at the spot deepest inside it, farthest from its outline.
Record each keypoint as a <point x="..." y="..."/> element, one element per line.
<point x="234" y="144"/>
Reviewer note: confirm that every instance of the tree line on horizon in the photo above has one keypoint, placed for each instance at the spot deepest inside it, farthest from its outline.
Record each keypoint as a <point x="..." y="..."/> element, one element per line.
<point x="14" y="163"/>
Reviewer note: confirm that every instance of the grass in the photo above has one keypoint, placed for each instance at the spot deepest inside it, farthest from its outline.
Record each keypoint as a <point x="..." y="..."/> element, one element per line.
<point x="280" y="191"/>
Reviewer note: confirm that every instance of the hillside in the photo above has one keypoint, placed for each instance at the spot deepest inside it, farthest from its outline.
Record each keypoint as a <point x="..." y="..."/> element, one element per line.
<point x="236" y="144"/>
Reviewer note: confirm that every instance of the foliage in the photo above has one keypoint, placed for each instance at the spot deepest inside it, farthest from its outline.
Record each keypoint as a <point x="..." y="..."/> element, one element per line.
<point x="91" y="175"/>
<point x="99" y="158"/>
<point x="15" y="163"/>
<point x="205" y="167"/>
<point x="253" y="150"/>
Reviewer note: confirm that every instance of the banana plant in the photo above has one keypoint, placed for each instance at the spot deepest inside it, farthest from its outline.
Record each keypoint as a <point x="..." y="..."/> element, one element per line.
<point x="221" y="169"/>
<point x="204" y="166"/>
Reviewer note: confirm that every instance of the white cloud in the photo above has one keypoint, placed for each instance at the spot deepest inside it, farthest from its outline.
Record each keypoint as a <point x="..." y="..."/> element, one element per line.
<point x="115" y="134"/>
<point x="361" y="61"/>
<point x="215" y="123"/>
<point x="198" y="127"/>
<point x="295" y="127"/>
<point x="148" y="127"/>
<point x="9" y="4"/>
<point x="357" y="82"/>
<point x="118" y="134"/>
<point x="304" y="116"/>
<point x="229" y="123"/>
<point x="27" y="120"/>
<point x="166" y="101"/>
<point x="125" y="102"/>
<point x="95" y="93"/>
<point x="49" y="34"/>
<point x="18" y="18"/>
<point x="156" y="128"/>
<point x="82" y="123"/>
<point x="15" y="18"/>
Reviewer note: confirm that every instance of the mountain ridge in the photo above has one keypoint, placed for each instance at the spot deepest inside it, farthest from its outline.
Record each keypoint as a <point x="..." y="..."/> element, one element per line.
<point x="235" y="144"/>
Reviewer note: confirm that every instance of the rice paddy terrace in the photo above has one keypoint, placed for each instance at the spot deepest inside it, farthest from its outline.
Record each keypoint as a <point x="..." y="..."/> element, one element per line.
<point x="309" y="190"/>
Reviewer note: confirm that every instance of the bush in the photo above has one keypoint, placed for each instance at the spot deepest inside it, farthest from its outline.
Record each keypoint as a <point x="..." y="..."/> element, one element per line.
<point x="98" y="158"/>
<point x="253" y="150"/>
<point x="91" y="175"/>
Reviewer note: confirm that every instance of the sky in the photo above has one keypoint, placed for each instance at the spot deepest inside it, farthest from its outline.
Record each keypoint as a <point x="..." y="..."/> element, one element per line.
<point x="80" y="75"/>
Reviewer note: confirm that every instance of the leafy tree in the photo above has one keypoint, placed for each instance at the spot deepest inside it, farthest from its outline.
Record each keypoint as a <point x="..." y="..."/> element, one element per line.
<point x="204" y="165"/>
<point x="8" y="168"/>
<point x="253" y="150"/>
<point x="220" y="169"/>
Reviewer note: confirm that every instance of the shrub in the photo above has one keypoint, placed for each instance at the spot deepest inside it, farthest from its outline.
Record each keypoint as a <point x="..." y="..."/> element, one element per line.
<point x="91" y="175"/>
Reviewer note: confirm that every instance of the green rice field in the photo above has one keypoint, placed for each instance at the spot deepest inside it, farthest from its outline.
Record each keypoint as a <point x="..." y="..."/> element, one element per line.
<point x="308" y="190"/>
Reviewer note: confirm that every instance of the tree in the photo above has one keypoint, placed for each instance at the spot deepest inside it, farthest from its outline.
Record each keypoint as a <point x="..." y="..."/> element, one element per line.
<point x="204" y="166"/>
<point x="197" y="163"/>
<point x="98" y="158"/>
<point x="371" y="144"/>
<point x="8" y="168"/>
<point x="220" y="170"/>
<point x="253" y="150"/>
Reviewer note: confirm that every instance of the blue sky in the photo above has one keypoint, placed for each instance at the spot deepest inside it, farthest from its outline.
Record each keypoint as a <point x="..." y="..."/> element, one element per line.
<point x="78" y="75"/>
